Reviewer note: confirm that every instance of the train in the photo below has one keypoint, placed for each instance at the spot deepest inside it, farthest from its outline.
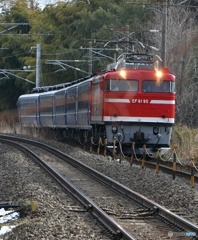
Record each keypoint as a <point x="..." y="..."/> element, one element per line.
<point x="131" y="102"/>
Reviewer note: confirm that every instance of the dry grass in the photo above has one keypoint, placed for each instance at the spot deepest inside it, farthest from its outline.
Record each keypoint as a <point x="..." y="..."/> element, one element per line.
<point x="8" y="121"/>
<point x="187" y="141"/>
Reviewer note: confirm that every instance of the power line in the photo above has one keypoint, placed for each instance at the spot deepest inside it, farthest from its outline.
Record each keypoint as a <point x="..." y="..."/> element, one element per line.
<point x="162" y="5"/>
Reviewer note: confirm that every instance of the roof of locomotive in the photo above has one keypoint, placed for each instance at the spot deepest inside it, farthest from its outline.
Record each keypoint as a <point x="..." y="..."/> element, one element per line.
<point x="133" y="61"/>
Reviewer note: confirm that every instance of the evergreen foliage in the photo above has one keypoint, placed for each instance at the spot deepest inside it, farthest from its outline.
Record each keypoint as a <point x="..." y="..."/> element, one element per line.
<point x="65" y="30"/>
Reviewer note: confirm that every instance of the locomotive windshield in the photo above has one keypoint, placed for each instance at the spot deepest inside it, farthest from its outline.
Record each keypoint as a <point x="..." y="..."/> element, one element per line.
<point x="118" y="85"/>
<point x="162" y="87"/>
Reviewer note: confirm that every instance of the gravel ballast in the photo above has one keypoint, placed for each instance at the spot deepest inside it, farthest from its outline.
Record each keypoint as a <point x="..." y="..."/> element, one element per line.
<point x="57" y="219"/>
<point x="58" y="216"/>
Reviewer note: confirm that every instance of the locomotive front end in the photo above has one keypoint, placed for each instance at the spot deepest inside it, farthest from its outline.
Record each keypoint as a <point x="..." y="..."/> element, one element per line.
<point x="139" y="108"/>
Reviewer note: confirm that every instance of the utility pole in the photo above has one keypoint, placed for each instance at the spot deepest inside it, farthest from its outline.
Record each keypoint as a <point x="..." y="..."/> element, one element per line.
<point x="5" y="28"/>
<point x="127" y="38"/>
<point x="38" y="65"/>
<point x="164" y="34"/>
<point x="90" y="58"/>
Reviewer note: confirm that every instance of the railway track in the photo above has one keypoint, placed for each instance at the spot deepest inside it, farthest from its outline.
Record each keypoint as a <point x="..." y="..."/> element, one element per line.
<point x="167" y="168"/>
<point x="130" y="210"/>
<point x="163" y="165"/>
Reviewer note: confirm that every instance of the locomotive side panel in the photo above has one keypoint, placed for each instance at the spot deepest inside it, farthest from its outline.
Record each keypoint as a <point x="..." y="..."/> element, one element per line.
<point x="84" y="99"/>
<point x="60" y="109"/>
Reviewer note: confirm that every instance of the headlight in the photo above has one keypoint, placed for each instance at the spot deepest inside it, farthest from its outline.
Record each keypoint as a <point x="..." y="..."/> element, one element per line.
<point x="123" y="73"/>
<point x="159" y="74"/>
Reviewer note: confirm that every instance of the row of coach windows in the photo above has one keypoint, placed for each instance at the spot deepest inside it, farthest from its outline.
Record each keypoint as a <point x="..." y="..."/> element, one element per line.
<point x="149" y="86"/>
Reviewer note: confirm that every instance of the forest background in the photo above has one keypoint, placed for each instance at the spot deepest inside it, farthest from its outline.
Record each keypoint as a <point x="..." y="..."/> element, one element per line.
<point x="66" y="29"/>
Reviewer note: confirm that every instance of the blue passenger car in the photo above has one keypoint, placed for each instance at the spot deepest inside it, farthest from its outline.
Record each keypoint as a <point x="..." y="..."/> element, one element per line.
<point x="28" y="106"/>
<point x="60" y="109"/>
<point x="72" y="106"/>
<point x="84" y="100"/>
<point x="46" y="109"/>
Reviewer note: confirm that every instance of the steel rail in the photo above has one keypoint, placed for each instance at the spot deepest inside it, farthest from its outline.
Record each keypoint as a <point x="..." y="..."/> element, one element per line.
<point x="178" y="222"/>
<point x="167" y="169"/>
<point x="116" y="229"/>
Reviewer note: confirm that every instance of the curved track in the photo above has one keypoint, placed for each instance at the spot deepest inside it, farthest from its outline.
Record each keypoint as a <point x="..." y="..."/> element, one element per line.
<point x="129" y="209"/>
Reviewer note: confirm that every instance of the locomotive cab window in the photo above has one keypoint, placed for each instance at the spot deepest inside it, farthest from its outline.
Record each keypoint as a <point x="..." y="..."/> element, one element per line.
<point x="162" y="87"/>
<point x="117" y="85"/>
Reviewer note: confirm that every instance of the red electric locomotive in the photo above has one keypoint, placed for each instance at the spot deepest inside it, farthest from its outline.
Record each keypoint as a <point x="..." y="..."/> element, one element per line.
<point x="130" y="102"/>
<point x="136" y="103"/>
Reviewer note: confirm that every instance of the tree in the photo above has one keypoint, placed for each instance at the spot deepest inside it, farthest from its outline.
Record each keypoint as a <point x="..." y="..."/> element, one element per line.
<point x="182" y="37"/>
<point x="65" y="29"/>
